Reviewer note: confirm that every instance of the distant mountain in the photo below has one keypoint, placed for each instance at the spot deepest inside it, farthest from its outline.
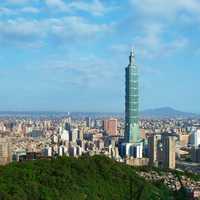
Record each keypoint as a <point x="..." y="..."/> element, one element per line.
<point x="166" y="112"/>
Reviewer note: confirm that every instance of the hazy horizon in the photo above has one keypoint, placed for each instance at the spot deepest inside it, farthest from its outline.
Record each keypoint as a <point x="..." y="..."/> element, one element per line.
<point x="88" y="111"/>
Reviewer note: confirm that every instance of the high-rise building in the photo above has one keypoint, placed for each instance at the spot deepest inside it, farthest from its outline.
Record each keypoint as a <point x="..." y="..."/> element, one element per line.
<point x="98" y="123"/>
<point x="67" y="126"/>
<point x="110" y="126"/>
<point x="169" y="151"/>
<point x="80" y="134"/>
<point x="195" y="154"/>
<point x="88" y="121"/>
<point x="183" y="139"/>
<point x="132" y="132"/>
<point x="64" y="135"/>
<point x="154" y="149"/>
<point x="162" y="150"/>
<point x="132" y="146"/>
<point x="195" y="138"/>
<point x="5" y="151"/>
<point x="73" y="136"/>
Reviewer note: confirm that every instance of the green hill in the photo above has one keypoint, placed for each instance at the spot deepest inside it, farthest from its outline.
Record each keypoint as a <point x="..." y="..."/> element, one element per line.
<point x="89" y="178"/>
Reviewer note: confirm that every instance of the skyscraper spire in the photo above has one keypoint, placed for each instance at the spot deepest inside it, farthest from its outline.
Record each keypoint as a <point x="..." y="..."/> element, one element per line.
<point x="132" y="57"/>
<point x="132" y="51"/>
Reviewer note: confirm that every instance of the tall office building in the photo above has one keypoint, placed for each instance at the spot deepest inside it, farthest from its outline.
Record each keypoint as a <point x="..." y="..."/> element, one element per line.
<point x="73" y="135"/>
<point x="195" y="154"/>
<point x="5" y="151"/>
<point x="132" y="132"/>
<point x="195" y="138"/>
<point x="132" y="146"/>
<point x="88" y="121"/>
<point x="154" y="149"/>
<point x="162" y="150"/>
<point x="169" y="151"/>
<point x="110" y="126"/>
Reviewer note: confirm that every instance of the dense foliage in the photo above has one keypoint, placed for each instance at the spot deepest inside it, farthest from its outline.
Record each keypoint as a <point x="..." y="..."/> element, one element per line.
<point x="89" y="178"/>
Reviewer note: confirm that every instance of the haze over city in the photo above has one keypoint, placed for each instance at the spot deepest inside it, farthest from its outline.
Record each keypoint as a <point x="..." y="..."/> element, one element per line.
<point x="70" y="55"/>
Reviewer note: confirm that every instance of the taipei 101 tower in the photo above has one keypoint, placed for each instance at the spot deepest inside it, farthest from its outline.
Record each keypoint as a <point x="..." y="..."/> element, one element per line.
<point x="132" y="132"/>
<point x="132" y="146"/>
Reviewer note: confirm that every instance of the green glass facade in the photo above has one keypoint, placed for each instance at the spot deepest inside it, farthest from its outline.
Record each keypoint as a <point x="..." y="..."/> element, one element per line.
<point x="132" y="132"/>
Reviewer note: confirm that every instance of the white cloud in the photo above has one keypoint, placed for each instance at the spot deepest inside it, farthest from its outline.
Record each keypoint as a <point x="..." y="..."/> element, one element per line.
<point x="76" y="27"/>
<point x="68" y="29"/>
<point x="160" y="23"/>
<point x="57" y="4"/>
<point x="20" y="27"/>
<point x="21" y="32"/>
<point x="17" y="1"/>
<point x="6" y="11"/>
<point x="94" y="7"/>
<point x="30" y="9"/>
<point x="18" y="11"/>
<point x="82" y="73"/>
<point x="153" y="46"/>
<point x="151" y="42"/>
<point x="166" y="9"/>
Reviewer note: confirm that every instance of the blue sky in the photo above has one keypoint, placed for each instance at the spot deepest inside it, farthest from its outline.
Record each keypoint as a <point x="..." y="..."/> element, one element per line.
<point x="67" y="55"/>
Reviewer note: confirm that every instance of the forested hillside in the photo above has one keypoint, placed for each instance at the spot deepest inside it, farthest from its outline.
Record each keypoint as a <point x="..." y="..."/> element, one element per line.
<point x="89" y="178"/>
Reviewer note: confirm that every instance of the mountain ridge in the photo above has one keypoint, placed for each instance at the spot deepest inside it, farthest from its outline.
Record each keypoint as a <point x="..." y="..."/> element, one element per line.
<point x="166" y="112"/>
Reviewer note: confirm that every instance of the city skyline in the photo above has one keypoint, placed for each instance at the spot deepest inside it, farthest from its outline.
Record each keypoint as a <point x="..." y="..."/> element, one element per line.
<point x="99" y="93"/>
<point x="58" y="67"/>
